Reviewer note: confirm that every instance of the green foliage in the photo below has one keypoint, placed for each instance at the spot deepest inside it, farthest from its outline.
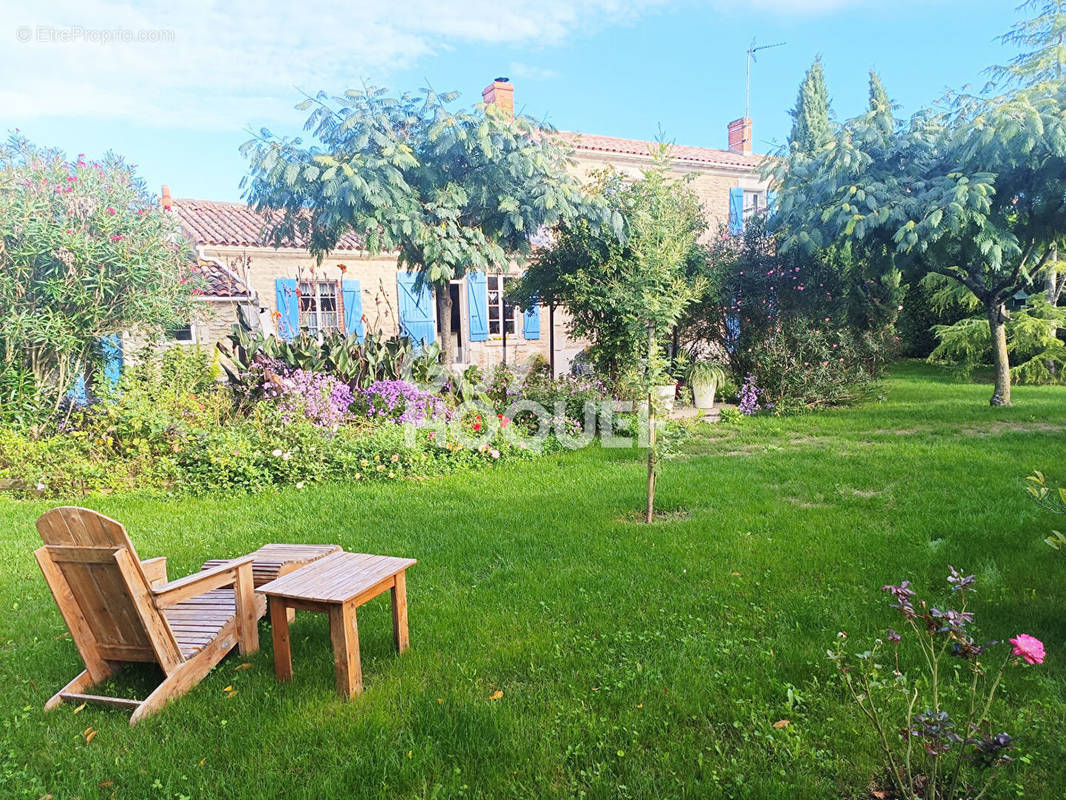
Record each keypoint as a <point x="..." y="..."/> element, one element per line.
<point x="803" y="366"/>
<point x="811" y="128"/>
<point x="731" y="415"/>
<point x="356" y="363"/>
<point x="1042" y="37"/>
<point x="621" y="292"/>
<point x="1051" y="498"/>
<point x="1037" y="352"/>
<point x="85" y="253"/>
<point x="450" y="191"/>
<point x="811" y="327"/>
<point x="972" y="189"/>
<point x="705" y="373"/>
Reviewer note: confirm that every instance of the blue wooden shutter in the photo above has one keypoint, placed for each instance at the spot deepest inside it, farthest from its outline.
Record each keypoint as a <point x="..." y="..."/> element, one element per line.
<point x="352" y="296"/>
<point x="736" y="210"/>
<point x="288" y="305"/>
<point x="771" y="202"/>
<point x="531" y="322"/>
<point x="477" y="296"/>
<point x="111" y="347"/>
<point x="415" y="309"/>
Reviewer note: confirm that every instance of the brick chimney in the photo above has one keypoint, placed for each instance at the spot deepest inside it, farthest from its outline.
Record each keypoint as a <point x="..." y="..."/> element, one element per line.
<point x="164" y="199"/>
<point x="740" y="136"/>
<point x="500" y="93"/>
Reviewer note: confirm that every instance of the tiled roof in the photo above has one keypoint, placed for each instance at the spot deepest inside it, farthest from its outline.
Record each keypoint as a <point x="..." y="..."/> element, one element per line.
<point x="221" y="281"/>
<point x="218" y="223"/>
<point x="639" y="147"/>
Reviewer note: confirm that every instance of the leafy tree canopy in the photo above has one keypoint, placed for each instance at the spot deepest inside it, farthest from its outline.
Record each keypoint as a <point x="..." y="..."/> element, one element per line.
<point x="450" y="190"/>
<point x="620" y="293"/>
<point x="974" y="190"/>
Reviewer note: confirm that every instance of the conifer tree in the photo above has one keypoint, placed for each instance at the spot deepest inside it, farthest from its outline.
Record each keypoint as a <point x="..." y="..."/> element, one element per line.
<point x="810" y="118"/>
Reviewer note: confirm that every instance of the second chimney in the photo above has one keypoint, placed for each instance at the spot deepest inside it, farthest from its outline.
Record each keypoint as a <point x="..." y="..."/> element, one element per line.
<point x="164" y="200"/>
<point x="740" y="136"/>
<point x="500" y="93"/>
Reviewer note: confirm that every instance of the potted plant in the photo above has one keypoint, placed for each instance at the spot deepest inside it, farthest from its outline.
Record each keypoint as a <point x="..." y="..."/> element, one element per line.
<point x="704" y="377"/>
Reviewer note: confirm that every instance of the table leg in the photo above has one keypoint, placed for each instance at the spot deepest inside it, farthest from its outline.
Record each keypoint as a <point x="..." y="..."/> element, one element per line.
<point x="344" y="633"/>
<point x="399" y="613"/>
<point x="279" y="627"/>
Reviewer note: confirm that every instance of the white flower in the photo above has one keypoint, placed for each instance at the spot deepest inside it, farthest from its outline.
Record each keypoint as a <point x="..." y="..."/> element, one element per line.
<point x="40" y="487"/>
<point x="286" y="457"/>
<point x="276" y="453"/>
<point x="300" y="485"/>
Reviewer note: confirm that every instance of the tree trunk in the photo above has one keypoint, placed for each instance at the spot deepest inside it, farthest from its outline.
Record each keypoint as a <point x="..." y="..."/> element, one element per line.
<point x="444" y="315"/>
<point x="1053" y="298"/>
<point x="650" y="511"/>
<point x="649" y="515"/>
<point x="997" y="323"/>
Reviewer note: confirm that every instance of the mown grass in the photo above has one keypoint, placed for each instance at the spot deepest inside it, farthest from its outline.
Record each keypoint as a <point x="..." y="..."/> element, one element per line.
<point x="634" y="661"/>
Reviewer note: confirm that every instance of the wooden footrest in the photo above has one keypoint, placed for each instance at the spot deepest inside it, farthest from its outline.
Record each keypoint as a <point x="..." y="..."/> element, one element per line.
<point x="118" y="702"/>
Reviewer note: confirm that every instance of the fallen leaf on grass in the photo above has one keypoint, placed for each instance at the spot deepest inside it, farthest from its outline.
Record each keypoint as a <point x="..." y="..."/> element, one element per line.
<point x="79" y="708"/>
<point x="106" y="784"/>
<point x="89" y="734"/>
<point x="498" y="694"/>
<point x="782" y="723"/>
<point x="231" y="693"/>
<point x="242" y="666"/>
<point x="228" y="688"/>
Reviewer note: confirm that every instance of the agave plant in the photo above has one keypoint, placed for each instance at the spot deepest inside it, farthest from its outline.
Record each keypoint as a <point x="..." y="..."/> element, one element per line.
<point x="356" y="363"/>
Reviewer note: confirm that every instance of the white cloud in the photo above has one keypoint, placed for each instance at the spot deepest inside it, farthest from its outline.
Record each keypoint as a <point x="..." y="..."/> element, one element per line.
<point x="229" y="64"/>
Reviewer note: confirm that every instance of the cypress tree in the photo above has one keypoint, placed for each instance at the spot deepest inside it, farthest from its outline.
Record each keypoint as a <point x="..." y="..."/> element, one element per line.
<point x="810" y="117"/>
<point x="880" y="105"/>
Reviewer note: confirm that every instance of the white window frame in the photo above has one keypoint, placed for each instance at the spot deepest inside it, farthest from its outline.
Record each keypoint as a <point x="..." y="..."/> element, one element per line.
<point x="754" y="203"/>
<point x="172" y="339"/>
<point x="500" y="306"/>
<point x="314" y="319"/>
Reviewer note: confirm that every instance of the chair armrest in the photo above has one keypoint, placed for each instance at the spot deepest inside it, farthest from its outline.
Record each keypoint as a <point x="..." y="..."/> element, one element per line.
<point x="155" y="570"/>
<point x="228" y="574"/>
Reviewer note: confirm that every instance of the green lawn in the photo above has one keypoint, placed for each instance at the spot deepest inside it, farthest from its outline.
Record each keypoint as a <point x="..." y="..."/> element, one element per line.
<point x="634" y="661"/>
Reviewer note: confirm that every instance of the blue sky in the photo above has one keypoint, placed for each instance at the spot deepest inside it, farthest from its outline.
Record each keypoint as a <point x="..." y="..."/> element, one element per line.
<point x="180" y="104"/>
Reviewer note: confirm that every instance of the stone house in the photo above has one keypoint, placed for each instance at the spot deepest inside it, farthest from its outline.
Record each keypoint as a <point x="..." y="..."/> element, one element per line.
<point x="357" y="292"/>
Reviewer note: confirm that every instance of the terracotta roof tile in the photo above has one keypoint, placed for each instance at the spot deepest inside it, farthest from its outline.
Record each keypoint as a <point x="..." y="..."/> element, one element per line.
<point x="218" y="223"/>
<point x="220" y="281"/>
<point x="639" y="147"/>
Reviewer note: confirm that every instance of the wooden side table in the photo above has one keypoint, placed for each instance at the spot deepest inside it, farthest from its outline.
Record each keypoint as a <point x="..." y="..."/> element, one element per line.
<point x="337" y="585"/>
<point x="274" y="560"/>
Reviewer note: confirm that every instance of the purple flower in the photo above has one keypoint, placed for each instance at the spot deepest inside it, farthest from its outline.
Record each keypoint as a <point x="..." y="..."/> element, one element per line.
<point x="903" y="594"/>
<point x="951" y="621"/>
<point x="892" y="636"/>
<point x="401" y="402"/>
<point x="958" y="582"/>
<point x="749" y="396"/>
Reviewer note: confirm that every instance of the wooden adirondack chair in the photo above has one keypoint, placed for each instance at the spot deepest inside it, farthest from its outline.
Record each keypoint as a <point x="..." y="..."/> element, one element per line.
<point x="121" y="609"/>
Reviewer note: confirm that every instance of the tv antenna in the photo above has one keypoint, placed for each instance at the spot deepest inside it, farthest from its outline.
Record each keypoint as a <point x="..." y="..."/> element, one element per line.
<point x="752" y="50"/>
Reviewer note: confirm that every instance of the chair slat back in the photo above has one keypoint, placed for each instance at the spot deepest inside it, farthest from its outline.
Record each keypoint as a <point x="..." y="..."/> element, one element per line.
<point x="83" y="544"/>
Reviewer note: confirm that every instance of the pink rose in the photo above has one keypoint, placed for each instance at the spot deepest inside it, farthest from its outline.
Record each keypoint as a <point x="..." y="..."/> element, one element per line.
<point x="1028" y="647"/>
